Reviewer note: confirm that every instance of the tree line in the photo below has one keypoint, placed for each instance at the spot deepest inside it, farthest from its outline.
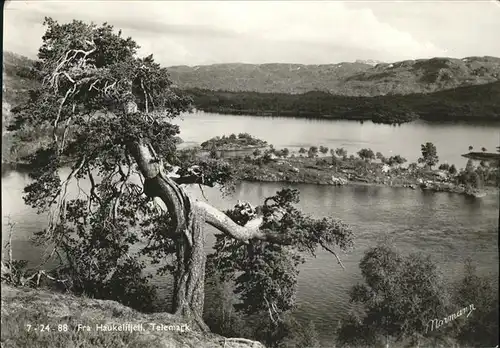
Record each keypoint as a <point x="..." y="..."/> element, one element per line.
<point x="464" y="103"/>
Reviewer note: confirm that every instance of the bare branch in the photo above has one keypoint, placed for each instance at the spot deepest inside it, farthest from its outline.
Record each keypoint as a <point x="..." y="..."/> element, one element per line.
<point x="332" y="252"/>
<point x="93" y="186"/>
<point x="271" y="307"/>
<point x="93" y="84"/>
<point x="203" y="192"/>
<point x="8" y="245"/>
<point x="66" y="127"/>
<point x="65" y="59"/>
<point x="47" y="256"/>
<point x="68" y="77"/>
<point x="120" y="192"/>
<point x="54" y="135"/>
<point x="60" y="209"/>
<point x="145" y="96"/>
<point x="42" y="272"/>
<point x="107" y="88"/>
<point x="251" y="230"/>
<point x="190" y="179"/>
<point x="81" y="190"/>
<point x="38" y="275"/>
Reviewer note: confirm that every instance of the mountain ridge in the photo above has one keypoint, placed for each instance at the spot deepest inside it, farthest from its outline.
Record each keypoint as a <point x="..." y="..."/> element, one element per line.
<point x="346" y="79"/>
<point x="360" y="78"/>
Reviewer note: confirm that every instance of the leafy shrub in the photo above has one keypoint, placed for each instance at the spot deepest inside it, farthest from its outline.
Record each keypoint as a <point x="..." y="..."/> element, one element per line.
<point x="482" y="329"/>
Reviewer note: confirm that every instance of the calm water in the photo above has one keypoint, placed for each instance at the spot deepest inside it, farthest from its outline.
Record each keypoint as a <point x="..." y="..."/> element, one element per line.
<point x="451" y="139"/>
<point x="449" y="227"/>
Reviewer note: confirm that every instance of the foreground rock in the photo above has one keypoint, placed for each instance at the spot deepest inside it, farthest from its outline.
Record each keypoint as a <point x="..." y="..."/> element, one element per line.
<point x="70" y="321"/>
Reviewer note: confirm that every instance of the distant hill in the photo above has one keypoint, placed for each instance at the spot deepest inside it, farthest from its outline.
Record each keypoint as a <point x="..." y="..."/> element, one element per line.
<point x="14" y="76"/>
<point x="362" y="78"/>
<point x="14" y="85"/>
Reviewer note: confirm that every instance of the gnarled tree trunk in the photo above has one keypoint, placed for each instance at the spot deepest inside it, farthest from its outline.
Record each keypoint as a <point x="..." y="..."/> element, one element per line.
<point x="189" y="218"/>
<point x="189" y="276"/>
<point x="189" y="287"/>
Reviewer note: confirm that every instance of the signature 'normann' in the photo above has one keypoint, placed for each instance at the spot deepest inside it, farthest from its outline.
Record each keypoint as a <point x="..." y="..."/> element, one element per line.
<point x="437" y="323"/>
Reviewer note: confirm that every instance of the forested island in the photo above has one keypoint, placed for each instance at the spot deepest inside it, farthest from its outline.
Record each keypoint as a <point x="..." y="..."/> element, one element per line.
<point x="233" y="142"/>
<point x="471" y="103"/>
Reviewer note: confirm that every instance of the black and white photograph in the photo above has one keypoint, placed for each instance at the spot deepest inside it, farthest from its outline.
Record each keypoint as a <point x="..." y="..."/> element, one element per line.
<point x="250" y="174"/>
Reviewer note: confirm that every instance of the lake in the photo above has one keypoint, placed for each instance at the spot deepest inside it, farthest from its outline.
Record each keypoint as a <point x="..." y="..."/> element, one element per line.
<point x="451" y="139"/>
<point x="447" y="226"/>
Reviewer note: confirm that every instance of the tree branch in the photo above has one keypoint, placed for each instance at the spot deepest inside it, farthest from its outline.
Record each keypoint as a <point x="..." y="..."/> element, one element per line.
<point x="332" y="252"/>
<point x="93" y="193"/>
<point x="145" y="97"/>
<point x="120" y="192"/>
<point x="190" y="179"/>
<point x="66" y="127"/>
<point x="251" y="230"/>
<point x="54" y="135"/>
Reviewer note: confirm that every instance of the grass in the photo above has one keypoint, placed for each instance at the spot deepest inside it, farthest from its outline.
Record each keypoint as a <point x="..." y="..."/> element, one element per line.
<point x="15" y="333"/>
<point x="24" y="306"/>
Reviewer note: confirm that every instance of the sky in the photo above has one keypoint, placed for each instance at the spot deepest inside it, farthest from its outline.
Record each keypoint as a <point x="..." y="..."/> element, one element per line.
<point x="305" y="32"/>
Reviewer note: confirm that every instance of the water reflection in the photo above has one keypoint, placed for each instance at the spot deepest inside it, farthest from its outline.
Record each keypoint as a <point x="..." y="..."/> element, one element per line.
<point x="473" y="203"/>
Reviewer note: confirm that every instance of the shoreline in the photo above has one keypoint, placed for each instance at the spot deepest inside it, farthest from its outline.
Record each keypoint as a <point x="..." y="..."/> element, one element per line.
<point x="336" y="180"/>
<point x="317" y="171"/>
<point x="236" y="149"/>
<point x="455" y="190"/>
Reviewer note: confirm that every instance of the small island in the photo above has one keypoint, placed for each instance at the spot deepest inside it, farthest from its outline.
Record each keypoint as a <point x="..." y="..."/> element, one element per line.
<point x="233" y="142"/>
<point x="323" y="166"/>
<point x="483" y="156"/>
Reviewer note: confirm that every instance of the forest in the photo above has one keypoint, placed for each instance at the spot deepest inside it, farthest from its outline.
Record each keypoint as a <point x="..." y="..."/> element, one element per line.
<point x="472" y="103"/>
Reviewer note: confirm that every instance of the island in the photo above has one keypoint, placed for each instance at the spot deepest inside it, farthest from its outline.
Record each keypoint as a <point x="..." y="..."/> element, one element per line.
<point x="322" y="166"/>
<point x="483" y="156"/>
<point x="233" y="142"/>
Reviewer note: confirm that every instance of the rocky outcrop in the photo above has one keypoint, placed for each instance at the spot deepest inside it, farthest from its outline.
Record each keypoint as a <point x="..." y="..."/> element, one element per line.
<point x="338" y="181"/>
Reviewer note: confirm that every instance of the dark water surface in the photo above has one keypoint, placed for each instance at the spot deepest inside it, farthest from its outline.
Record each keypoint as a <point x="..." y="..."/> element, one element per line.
<point x="447" y="226"/>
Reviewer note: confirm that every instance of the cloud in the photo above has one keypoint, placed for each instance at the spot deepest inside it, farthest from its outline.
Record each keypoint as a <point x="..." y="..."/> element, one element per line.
<point x="193" y="33"/>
